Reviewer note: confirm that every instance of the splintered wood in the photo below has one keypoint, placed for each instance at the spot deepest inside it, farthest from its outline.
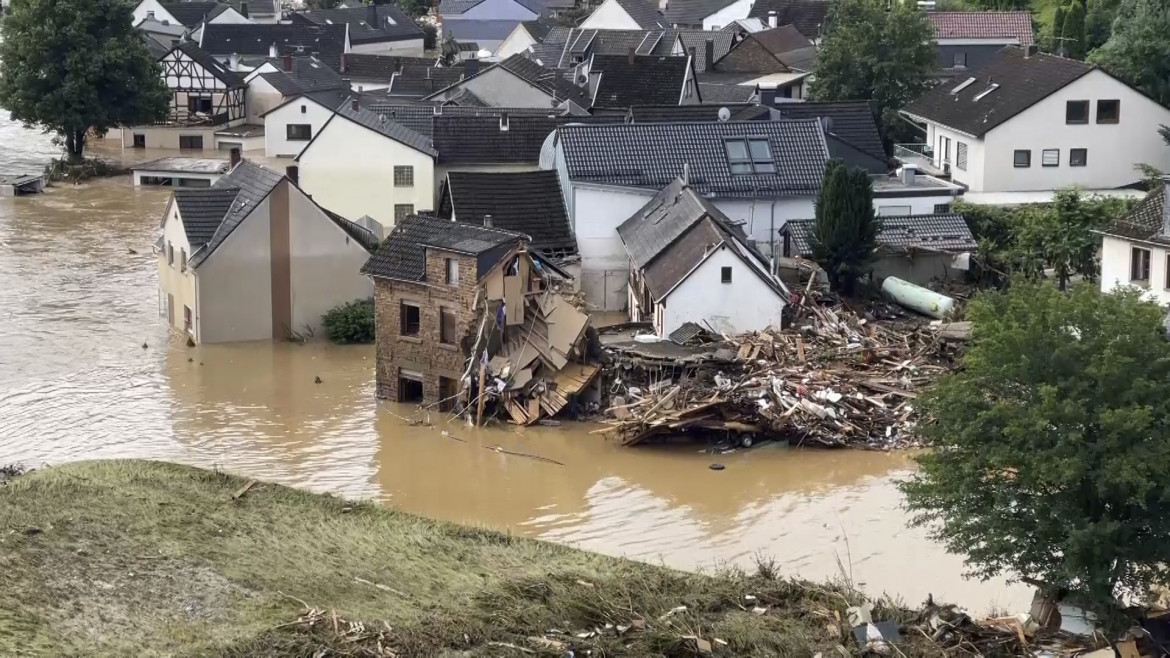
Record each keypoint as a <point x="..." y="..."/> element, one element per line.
<point x="832" y="380"/>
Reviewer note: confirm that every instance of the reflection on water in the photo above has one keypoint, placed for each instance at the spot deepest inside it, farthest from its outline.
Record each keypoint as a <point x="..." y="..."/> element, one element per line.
<point x="87" y="370"/>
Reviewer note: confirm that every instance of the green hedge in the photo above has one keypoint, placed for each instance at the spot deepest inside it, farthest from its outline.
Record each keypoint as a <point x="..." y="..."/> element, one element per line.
<point x="350" y="323"/>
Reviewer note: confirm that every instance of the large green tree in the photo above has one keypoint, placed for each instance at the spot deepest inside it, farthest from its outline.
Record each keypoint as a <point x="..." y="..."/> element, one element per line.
<point x="873" y="53"/>
<point x="845" y="227"/>
<point x="71" y="66"/>
<point x="1057" y="44"/>
<point x="1050" y="445"/>
<point x="1099" y="17"/>
<point x="1073" y="31"/>
<point x="1061" y="236"/>
<point x="1138" y="51"/>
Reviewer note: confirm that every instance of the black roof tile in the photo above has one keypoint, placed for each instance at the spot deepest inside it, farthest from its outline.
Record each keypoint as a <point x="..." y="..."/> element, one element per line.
<point x="370" y="24"/>
<point x="650" y="155"/>
<point x="692" y="12"/>
<point x="383" y="126"/>
<point x="715" y="93"/>
<point x="851" y="121"/>
<point x="202" y="211"/>
<point x="210" y="64"/>
<point x="650" y="80"/>
<point x="808" y="16"/>
<point x="193" y="12"/>
<point x="308" y="74"/>
<point x="942" y="232"/>
<point x="402" y="255"/>
<point x="327" y="41"/>
<point x="419" y="117"/>
<point x="645" y="14"/>
<point x="481" y="140"/>
<point x="1144" y="222"/>
<point x="379" y="67"/>
<point x="421" y="81"/>
<point x="976" y="108"/>
<point x="528" y="202"/>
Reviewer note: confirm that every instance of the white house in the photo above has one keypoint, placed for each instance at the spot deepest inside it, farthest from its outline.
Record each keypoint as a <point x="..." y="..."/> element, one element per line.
<point x="1030" y="122"/>
<point x="625" y="15"/>
<point x="706" y="14"/>
<point x="689" y="264"/>
<point x="759" y="174"/>
<point x="363" y="164"/>
<point x="290" y="126"/>
<point x="254" y="258"/>
<point x="1135" y="250"/>
<point x="190" y="13"/>
<point x="524" y="36"/>
<point x="485" y="22"/>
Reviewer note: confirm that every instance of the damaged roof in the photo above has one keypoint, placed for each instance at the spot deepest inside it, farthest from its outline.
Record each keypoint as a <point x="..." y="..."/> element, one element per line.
<point x="528" y="202"/>
<point x="403" y="253"/>
<point x="946" y="232"/>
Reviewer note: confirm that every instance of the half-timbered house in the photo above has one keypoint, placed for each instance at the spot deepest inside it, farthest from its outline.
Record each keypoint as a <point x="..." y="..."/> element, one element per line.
<point x="205" y="97"/>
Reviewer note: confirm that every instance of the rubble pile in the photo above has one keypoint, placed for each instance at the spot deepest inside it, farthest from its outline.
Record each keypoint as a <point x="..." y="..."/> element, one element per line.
<point x="832" y="379"/>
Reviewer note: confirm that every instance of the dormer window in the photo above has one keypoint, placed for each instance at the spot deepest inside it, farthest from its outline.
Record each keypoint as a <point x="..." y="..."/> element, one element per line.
<point x="749" y="155"/>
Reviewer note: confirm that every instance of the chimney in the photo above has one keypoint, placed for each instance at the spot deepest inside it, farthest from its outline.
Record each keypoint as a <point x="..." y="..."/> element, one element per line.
<point x="234" y="157"/>
<point x="150" y="15"/>
<point x="1165" y="205"/>
<point x="909" y="173"/>
<point x="503" y="121"/>
<point x="1030" y="50"/>
<point x="286" y="63"/>
<point x="244" y="9"/>
<point x="293" y="173"/>
<point x="234" y="62"/>
<point x="487" y="221"/>
<point x="771" y="19"/>
<point x="686" y="174"/>
<point x="630" y="55"/>
<point x="708" y="55"/>
<point x="353" y="103"/>
<point x="372" y="16"/>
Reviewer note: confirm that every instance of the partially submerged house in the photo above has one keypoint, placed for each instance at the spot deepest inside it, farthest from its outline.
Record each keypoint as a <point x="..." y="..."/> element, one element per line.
<point x="689" y="263"/>
<point x="254" y="258"/>
<point x="465" y="312"/>
<point x="362" y="164"/>
<point x="373" y="29"/>
<point x="915" y="248"/>
<point x="1135" y="249"/>
<point x="205" y="97"/>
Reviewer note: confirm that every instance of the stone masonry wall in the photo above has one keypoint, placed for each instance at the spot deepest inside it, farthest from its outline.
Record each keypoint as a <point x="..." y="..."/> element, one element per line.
<point x="423" y="353"/>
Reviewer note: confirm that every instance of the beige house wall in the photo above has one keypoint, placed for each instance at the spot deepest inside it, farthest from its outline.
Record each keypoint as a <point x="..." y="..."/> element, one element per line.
<point x="235" y="284"/>
<point x="176" y="286"/>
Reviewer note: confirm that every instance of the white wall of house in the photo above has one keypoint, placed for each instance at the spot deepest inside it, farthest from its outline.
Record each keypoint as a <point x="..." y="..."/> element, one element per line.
<point x="495" y="10"/>
<point x="161" y="137"/>
<point x="972" y="175"/>
<point x="349" y="169"/>
<point x="595" y="215"/>
<point x="498" y="87"/>
<point x="230" y="16"/>
<point x="325" y="264"/>
<point x="403" y="48"/>
<point x="235" y="283"/>
<point x="1116" y="262"/>
<point x="610" y="16"/>
<point x="910" y="205"/>
<point x="732" y="12"/>
<point x="176" y="286"/>
<point x="261" y="96"/>
<point x="303" y="110"/>
<point x="745" y="304"/>
<point x="517" y="42"/>
<point x="760" y="223"/>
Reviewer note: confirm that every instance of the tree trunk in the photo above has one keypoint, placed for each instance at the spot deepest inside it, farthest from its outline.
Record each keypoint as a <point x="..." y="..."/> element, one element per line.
<point x="75" y="144"/>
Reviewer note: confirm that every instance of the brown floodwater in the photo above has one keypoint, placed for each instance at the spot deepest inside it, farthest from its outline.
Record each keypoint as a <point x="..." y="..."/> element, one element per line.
<point x="87" y="370"/>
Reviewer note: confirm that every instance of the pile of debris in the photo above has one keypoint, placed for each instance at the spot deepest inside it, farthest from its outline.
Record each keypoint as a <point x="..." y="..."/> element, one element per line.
<point x="833" y="379"/>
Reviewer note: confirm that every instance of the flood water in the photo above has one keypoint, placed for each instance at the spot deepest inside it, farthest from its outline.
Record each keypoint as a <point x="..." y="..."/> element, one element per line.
<point x="87" y="370"/>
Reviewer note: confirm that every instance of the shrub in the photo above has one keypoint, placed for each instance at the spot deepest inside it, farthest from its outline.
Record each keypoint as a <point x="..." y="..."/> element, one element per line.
<point x="350" y="323"/>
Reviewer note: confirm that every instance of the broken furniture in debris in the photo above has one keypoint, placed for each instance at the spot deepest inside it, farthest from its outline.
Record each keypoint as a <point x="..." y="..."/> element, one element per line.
<point x="21" y="184"/>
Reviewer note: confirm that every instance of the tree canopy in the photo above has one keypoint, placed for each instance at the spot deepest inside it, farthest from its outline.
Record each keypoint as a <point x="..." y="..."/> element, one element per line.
<point x="871" y="53"/>
<point x="845" y="228"/>
<point x="1073" y="31"/>
<point x="1138" y="51"/>
<point x="1050" y="445"/>
<point x="69" y="66"/>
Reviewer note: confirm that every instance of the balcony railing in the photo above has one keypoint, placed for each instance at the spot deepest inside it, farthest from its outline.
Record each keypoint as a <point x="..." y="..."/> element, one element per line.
<point x="918" y="154"/>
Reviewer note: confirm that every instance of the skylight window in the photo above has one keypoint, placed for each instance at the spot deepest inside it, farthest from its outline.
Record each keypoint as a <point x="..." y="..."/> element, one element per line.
<point x="992" y="87"/>
<point x="963" y="85"/>
<point x="749" y="155"/>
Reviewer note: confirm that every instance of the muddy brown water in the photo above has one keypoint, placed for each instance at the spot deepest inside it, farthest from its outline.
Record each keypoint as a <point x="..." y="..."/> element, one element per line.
<point x="87" y="370"/>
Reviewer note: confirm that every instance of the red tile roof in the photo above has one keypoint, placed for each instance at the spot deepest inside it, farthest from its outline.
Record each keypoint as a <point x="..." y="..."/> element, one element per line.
<point x="982" y="25"/>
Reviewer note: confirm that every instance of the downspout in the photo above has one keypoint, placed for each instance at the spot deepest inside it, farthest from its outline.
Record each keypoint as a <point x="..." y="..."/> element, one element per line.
<point x="772" y="235"/>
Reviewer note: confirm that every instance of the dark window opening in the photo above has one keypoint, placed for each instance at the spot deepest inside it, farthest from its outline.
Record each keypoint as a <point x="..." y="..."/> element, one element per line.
<point x="1078" y="157"/>
<point x="448" y="390"/>
<point x="410" y="388"/>
<point x="1076" y="112"/>
<point x="960" y="60"/>
<point x="191" y="141"/>
<point x="139" y="141"/>
<point x="199" y="104"/>
<point x="1108" y="111"/>
<point x="941" y="208"/>
<point x="725" y="275"/>
<point x="447" y="326"/>
<point x="1139" y="265"/>
<point x="299" y="132"/>
<point x="409" y="319"/>
<point x="1022" y="158"/>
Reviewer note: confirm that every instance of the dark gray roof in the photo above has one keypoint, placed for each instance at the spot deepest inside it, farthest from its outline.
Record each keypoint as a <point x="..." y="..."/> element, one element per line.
<point x="674" y="232"/>
<point x="546" y="79"/>
<point x="402" y="255"/>
<point x="157" y="48"/>
<point x="202" y="211"/>
<point x="677" y="113"/>
<point x="370" y="24"/>
<point x="528" y="202"/>
<point x="808" y="16"/>
<point x="645" y="14"/>
<point x="420" y="81"/>
<point x="692" y="12"/>
<point x="477" y="30"/>
<point x="482" y="140"/>
<point x="650" y="155"/>
<point x="328" y="41"/>
<point x="379" y="67"/>
<point x="1144" y="222"/>
<point x="361" y="234"/>
<point x="419" y="117"/>
<point x="381" y="125"/>
<point x="1022" y="82"/>
<point x="943" y="232"/>
<point x="852" y="121"/>
<point x="193" y="12"/>
<point x="253" y="184"/>
<point x="308" y="74"/>
<point x="210" y="64"/>
<point x="697" y="39"/>
<point x="788" y="45"/>
<point x="458" y="6"/>
<point x="538" y="29"/>
<point x="713" y="93"/>
<point x="466" y="98"/>
<point x="650" y="80"/>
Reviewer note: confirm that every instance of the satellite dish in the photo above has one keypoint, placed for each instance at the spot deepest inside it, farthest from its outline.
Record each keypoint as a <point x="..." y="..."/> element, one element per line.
<point x="483" y="54"/>
<point x="724" y="114"/>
